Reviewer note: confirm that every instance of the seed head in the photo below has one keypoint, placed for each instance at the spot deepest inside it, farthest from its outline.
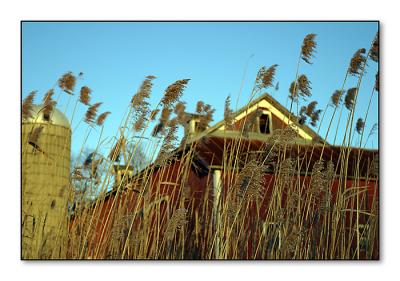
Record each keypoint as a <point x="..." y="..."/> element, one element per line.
<point x="357" y="62"/>
<point x="140" y="121"/>
<point x="27" y="105"/>
<point x="336" y="98"/>
<point x="92" y="112"/>
<point x="286" y="170"/>
<point x="304" y="86"/>
<point x="265" y="77"/>
<point x="174" y="92"/>
<point x="48" y="104"/>
<point x="199" y="107"/>
<point x="302" y="119"/>
<point x="374" y="52"/>
<point x="349" y="99"/>
<point x="360" y="125"/>
<point x="168" y="146"/>
<point x="102" y="117"/>
<point x="143" y="93"/>
<point x="207" y="117"/>
<point x="269" y="76"/>
<point x="315" y="117"/>
<point x="320" y="178"/>
<point x="165" y="115"/>
<point x="308" y="47"/>
<point x="281" y="137"/>
<point x="311" y="108"/>
<point x="179" y="108"/>
<point x="84" y="96"/>
<point x="176" y="222"/>
<point x="67" y="82"/>
<point x="250" y="182"/>
<point x="34" y="136"/>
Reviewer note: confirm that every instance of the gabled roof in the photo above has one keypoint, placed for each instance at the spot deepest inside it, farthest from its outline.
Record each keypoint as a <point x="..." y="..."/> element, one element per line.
<point x="288" y="117"/>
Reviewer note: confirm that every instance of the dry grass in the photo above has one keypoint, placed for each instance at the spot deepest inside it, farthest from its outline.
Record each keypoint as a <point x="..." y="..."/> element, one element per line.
<point x="278" y="202"/>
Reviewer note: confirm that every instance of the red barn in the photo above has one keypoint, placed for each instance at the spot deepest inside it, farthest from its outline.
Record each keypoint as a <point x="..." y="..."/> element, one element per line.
<point x="267" y="187"/>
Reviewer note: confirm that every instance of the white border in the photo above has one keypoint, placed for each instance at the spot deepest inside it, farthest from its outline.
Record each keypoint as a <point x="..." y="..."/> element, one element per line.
<point x="14" y="11"/>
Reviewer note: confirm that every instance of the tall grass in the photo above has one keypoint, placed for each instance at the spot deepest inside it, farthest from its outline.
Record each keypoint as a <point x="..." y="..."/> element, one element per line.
<point x="279" y="201"/>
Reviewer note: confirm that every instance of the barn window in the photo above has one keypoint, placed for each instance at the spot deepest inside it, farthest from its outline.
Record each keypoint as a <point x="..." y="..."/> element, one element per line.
<point x="264" y="123"/>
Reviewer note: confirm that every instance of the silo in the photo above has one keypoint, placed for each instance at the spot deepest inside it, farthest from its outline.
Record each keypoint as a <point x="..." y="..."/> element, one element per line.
<point x="46" y="149"/>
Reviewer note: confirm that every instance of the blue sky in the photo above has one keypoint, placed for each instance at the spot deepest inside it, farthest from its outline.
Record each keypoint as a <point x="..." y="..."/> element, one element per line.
<point x="115" y="58"/>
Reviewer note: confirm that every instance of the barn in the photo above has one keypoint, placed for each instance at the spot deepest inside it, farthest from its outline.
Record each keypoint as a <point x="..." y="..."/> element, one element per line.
<point x="261" y="187"/>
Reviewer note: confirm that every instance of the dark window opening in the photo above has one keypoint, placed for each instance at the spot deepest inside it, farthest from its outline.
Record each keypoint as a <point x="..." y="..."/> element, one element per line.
<point x="46" y="117"/>
<point x="264" y="124"/>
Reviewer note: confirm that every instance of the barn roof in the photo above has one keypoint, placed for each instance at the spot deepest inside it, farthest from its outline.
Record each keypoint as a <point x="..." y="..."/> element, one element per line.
<point x="288" y="118"/>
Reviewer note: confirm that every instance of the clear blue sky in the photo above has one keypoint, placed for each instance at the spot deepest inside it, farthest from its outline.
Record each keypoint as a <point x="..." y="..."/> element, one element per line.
<point x="115" y="58"/>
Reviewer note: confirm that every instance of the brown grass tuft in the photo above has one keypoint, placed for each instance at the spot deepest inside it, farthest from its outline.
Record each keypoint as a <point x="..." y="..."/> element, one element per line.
<point x="311" y="108"/>
<point x="360" y="125"/>
<point x="269" y="76"/>
<point x="181" y="116"/>
<point x="303" y="85"/>
<point x="92" y="112"/>
<point x="199" y="107"/>
<point x="265" y="77"/>
<point x="174" y="92"/>
<point x="34" y="136"/>
<point x="27" y="105"/>
<point x="357" y="62"/>
<point x="336" y="98"/>
<point x="168" y="146"/>
<point x="48" y="104"/>
<point x="281" y="137"/>
<point x="374" y="52"/>
<point x="85" y="95"/>
<point x="102" y="117"/>
<point x="315" y="117"/>
<point x="176" y="222"/>
<point x="349" y="99"/>
<point x="143" y="93"/>
<point x="308" y="47"/>
<point x="207" y="117"/>
<point x="67" y="82"/>
<point x="165" y="115"/>
<point x="140" y="105"/>
<point x="250" y="182"/>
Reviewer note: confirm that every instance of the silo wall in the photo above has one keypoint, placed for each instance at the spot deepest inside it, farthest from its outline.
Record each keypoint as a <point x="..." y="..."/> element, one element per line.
<point x="45" y="191"/>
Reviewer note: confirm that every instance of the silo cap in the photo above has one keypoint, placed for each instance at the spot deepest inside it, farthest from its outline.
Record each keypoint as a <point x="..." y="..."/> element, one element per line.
<point x="56" y="117"/>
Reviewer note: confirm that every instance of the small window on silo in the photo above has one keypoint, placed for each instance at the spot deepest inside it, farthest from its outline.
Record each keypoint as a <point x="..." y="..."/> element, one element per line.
<point x="46" y="116"/>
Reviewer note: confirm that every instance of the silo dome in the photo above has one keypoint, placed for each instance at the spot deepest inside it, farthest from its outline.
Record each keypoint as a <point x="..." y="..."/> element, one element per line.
<point x="46" y="158"/>
<point x="56" y="117"/>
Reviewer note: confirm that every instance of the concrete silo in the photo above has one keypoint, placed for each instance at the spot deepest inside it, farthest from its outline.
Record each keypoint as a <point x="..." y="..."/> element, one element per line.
<point x="46" y="153"/>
